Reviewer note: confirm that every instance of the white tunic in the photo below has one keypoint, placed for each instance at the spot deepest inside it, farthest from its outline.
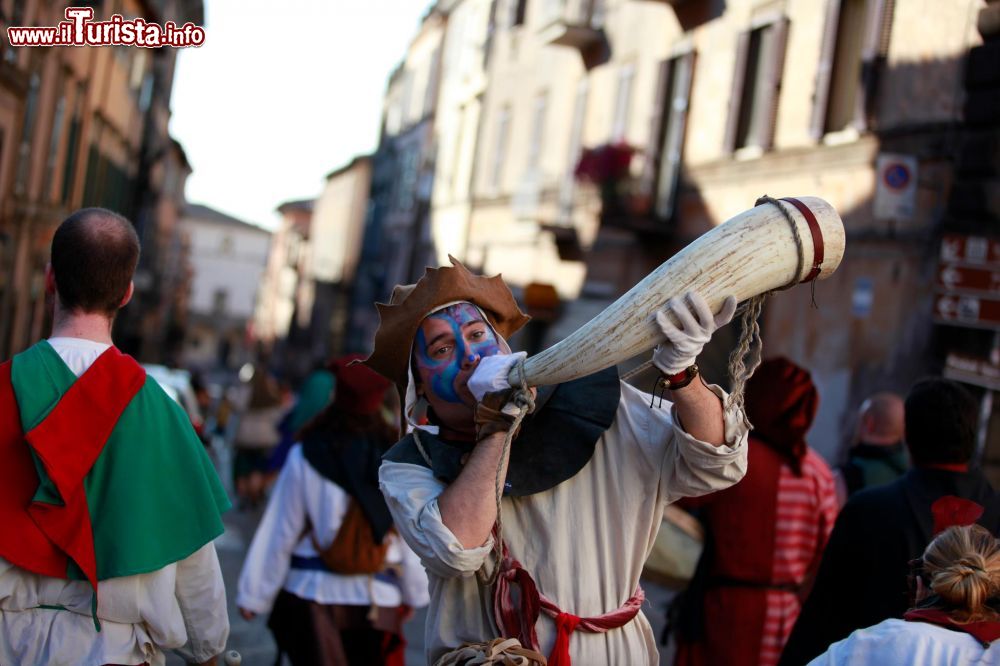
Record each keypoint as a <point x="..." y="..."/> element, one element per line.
<point x="912" y="643"/>
<point x="181" y="606"/>
<point x="301" y="490"/>
<point x="584" y="541"/>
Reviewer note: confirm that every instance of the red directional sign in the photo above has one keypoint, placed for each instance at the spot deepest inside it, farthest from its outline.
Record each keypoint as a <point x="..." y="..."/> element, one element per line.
<point x="973" y="311"/>
<point x="968" y="280"/>
<point x="978" y="250"/>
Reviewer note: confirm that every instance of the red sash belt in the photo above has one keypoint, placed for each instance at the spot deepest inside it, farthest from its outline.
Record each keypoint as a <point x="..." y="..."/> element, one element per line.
<point x="520" y="622"/>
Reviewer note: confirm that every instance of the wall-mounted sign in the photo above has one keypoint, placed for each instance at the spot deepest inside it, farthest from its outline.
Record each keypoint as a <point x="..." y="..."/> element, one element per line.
<point x="968" y="282"/>
<point x="862" y="298"/>
<point x="896" y="187"/>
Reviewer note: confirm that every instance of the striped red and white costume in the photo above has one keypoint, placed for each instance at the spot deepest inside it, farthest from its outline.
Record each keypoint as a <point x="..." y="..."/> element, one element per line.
<point x="806" y="511"/>
<point x="766" y="536"/>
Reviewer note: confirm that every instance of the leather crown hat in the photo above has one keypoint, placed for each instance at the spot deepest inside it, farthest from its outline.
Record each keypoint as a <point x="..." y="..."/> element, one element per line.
<point x="400" y="318"/>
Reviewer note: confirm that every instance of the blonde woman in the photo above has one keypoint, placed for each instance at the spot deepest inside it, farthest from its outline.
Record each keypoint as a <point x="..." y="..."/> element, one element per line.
<point x="956" y="618"/>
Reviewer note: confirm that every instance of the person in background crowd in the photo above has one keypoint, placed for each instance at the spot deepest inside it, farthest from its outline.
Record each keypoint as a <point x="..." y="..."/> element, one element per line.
<point x="204" y="402"/>
<point x="326" y="559"/>
<point x="765" y="534"/>
<point x="109" y="504"/>
<point x="877" y="455"/>
<point x="881" y="529"/>
<point x="314" y="395"/>
<point x="956" y="619"/>
<point x="256" y="436"/>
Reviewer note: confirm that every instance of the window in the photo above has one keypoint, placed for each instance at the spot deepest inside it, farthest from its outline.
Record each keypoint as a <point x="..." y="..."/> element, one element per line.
<point x="855" y="40"/>
<point x="669" y="120"/>
<point x="553" y="10"/>
<point x="226" y="244"/>
<point x="219" y="301"/>
<point x="537" y="131"/>
<point x="406" y="194"/>
<point x="623" y="99"/>
<point x="575" y="141"/>
<point x="760" y="57"/>
<point x="595" y="13"/>
<point x="433" y="82"/>
<point x="54" y="140"/>
<point x="576" y="127"/>
<point x="518" y="12"/>
<point x="16" y="19"/>
<point x="456" y="157"/>
<point x="72" y="146"/>
<point x="500" y="147"/>
<point x="24" y="149"/>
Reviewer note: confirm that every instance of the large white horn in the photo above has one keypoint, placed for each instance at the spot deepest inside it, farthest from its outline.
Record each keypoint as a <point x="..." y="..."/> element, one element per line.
<point x="750" y="254"/>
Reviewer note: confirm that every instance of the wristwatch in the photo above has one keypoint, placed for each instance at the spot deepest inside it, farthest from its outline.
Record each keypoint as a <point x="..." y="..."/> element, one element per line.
<point x="680" y="380"/>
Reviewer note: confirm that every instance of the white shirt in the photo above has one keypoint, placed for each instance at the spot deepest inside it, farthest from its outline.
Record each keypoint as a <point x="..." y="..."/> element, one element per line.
<point x="912" y="643"/>
<point x="181" y="606"/>
<point x="301" y="490"/>
<point x="584" y="541"/>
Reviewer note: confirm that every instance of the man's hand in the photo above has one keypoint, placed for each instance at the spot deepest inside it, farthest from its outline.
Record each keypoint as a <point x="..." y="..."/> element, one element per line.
<point x="247" y="614"/>
<point x="497" y="412"/>
<point x="697" y="324"/>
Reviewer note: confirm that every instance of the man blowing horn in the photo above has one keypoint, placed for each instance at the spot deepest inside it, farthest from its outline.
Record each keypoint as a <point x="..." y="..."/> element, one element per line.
<point x="587" y="476"/>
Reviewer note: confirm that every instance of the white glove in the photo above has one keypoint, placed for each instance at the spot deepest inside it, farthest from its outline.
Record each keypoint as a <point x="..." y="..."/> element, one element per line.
<point x="491" y="374"/>
<point x="697" y="324"/>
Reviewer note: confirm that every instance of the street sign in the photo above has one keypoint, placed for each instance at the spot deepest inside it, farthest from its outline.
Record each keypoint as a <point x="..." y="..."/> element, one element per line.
<point x="975" y="250"/>
<point x="895" y="187"/>
<point x="968" y="280"/>
<point x="863" y="298"/>
<point x="979" y="372"/>
<point x="971" y="311"/>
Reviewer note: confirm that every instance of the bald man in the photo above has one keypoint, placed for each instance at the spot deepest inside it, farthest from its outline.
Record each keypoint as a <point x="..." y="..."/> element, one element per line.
<point x="108" y="503"/>
<point x="878" y="455"/>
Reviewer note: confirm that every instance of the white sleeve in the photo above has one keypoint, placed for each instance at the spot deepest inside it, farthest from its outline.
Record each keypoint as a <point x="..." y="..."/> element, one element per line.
<point x="411" y="492"/>
<point x="280" y="529"/>
<point x="414" y="584"/>
<point x="201" y="596"/>
<point x="688" y="467"/>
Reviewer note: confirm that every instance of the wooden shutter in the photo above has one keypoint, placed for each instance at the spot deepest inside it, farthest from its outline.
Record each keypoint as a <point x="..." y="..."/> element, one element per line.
<point x="656" y="118"/>
<point x="824" y="71"/>
<point x="736" y="93"/>
<point x="873" y="53"/>
<point x="673" y="140"/>
<point x="776" y="64"/>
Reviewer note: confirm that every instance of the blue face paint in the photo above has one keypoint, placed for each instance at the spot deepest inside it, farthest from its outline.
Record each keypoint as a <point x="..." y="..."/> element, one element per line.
<point x="462" y="341"/>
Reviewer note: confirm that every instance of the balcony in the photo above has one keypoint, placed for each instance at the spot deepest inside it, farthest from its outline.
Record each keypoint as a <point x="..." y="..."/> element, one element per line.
<point x="576" y="24"/>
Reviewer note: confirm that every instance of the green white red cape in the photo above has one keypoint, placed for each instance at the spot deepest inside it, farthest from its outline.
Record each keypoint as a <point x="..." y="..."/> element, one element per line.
<point x="100" y="476"/>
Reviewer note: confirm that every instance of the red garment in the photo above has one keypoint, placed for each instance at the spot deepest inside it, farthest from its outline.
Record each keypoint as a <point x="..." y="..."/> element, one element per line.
<point x="42" y="537"/>
<point x="359" y="389"/>
<point x="767" y="534"/>
<point x="520" y="622"/>
<point x="781" y="403"/>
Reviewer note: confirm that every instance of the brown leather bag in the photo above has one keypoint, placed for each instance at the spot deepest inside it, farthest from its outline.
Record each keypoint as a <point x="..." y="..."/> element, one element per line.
<point x="354" y="550"/>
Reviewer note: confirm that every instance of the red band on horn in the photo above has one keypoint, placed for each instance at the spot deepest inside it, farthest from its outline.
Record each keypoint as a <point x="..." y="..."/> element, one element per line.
<point x="817" y="237"/>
